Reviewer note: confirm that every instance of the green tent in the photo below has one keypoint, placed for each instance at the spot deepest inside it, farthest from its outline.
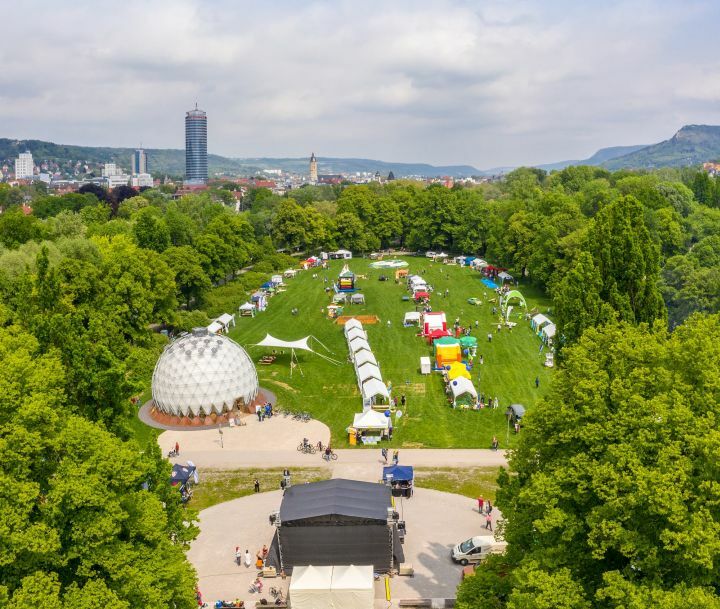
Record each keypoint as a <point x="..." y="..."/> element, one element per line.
<point x="446" y="340"/>
<point x="514" y="295"/>
<point x="467" y="342"/>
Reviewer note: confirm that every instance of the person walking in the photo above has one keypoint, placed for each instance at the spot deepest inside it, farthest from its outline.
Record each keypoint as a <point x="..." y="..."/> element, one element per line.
<point x="537" y="382"/>
<point x="489" y="337"/>
<point x="257" y="485"/>
<point x="403" y="400"/>
<point x="248" y="559"/>
<point x="488" y="521"/>
<point x="481" y="502"/>
<point x="177" y="449"/>
<point x="396" y="457"/>
<point x="257" y="412"/>
<point x="383" y="452"/>
<point x="238" y="556"/>
<point x="494" y="443"/>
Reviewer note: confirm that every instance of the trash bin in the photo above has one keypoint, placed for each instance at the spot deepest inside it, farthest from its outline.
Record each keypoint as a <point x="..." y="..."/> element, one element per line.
<point x="352" y="436"/>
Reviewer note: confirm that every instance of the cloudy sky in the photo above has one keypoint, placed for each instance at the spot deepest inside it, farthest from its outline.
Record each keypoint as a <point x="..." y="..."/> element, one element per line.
<point x="486" y="83"/>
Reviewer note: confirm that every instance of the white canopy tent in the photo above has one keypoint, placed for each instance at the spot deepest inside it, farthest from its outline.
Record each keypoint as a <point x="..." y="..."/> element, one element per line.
<point x="368" y="371"/>
<point x="502" y="275"/>
<point x="301" y="344"/>
<point x="478" y="263"/>
<point x="374" y="389"/>
<point x="365" y="357"/>
<point x="247" y="309"/>
<point x="227" y="320"/>
<point x="352" y="323"/>
<point x="462" y="386"/>
<point x="358" y="345"/>
<point x="310" y="588"/>
<point x="538" y="321"/>
<point x="353" y="587"/>
<point x="548" y="331"/>
<point x="289" y="273"/>
<point x="354" y="333"/>
<point x="412" y="317"/>
<point x="371" y="419"/>
<point x="215" y="327"/>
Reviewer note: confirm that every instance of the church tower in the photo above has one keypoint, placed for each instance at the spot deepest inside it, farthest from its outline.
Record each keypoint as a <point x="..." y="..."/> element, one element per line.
<point x="313" y="169"/>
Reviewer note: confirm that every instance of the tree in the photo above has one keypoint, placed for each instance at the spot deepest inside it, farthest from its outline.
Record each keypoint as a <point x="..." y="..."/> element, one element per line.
<point x="288" y="225"/>
<point x="611" y="482"/>
<point x="100" y="193"/>
<point x="16" y="228"/>
<point x="150" y="230"/>
<point x="190" y="278"/>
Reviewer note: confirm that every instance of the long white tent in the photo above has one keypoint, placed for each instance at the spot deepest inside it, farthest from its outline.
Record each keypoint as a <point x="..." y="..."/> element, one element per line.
<point x="364" y="357"/>
<point x="358" y="345"/>
<point x="338" y="587"/>
<point x="310" y="588"/>
<point x="352" y="323"/>
<point x="373" y="389"/>
<point x="368" y="371"/>
<point x="354" y="333"/>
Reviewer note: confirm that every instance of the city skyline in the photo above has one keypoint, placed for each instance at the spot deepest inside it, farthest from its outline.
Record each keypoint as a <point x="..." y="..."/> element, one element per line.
<point x="452" y="82"/>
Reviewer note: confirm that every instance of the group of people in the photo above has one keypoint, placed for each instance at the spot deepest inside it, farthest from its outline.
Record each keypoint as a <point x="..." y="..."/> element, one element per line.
<point x="264" y="411"/>
<point x="485" y="507"/>
<point x="481" y="403"/>
<point x="395" y="455"/>
<point x="246" y="558"/>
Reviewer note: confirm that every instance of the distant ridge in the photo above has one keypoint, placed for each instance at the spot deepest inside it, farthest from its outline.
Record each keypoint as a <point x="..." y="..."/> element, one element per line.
<point x="172" y="161"/>
<point x="600" y="157"/>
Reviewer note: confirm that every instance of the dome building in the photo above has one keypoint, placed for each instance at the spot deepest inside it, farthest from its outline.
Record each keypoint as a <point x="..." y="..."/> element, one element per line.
<point x="203" y="375"/>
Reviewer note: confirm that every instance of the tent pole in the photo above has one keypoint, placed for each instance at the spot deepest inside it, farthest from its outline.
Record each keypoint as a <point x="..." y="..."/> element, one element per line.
<point x="315" y="338"/>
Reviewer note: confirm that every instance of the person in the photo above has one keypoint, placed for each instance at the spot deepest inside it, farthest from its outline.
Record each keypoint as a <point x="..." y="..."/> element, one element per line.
<point x="481" y="502"/>
<point x="402" y="400"/>
<point x="238" y="556"/>
<point x="477" y="323"/>
<point x="517" y="427"/>
<point x="257" y="412"/>
<point x="259" y="585"/>
<point x="489" y="507"/>
<point x="489" y="337"/>
<point x="264" y="551"/>
<point x="496" y="402"/>
<point x="383" y="452"/>
<point x="258" y="561"/>
<point x="282" y="485"/>
<point x="494" y="443"/>
<point x="396" y="457"/>
<point x="482" y="360"/>
<point x="447" y="292"/>
<point x="257" y="485"/>
<point x="177" y="449"/>
<point x="537" y="382"/>
<point x="248" y="559"/>
<point x="488" y="521"/>
<point x="328" y="452"/>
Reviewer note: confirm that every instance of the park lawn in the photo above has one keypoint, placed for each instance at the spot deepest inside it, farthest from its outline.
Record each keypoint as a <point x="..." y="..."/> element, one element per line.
<point x="220" y="485"/>
<point x="470" y="482"/>
<point x="330" y="393"/>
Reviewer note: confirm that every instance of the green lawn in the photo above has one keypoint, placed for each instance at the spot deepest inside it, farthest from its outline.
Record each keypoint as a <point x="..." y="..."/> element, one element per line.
<point x="330" y="393"/>
<point x="470" y="482"/>
<point x="220" y="485"/>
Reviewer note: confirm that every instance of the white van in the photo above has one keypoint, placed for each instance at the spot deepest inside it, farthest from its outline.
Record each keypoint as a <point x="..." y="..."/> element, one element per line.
<point x="476" y="549"/>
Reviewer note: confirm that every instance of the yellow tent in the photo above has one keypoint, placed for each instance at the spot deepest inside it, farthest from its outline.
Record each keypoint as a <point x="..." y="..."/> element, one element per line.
<point x="458" y="369"/>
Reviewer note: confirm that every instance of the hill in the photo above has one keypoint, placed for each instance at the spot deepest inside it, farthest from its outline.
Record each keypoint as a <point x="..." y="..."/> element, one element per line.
<point x="691" y="145"/>
<point x="172" y="161"/>
<point x="601" y="156"/>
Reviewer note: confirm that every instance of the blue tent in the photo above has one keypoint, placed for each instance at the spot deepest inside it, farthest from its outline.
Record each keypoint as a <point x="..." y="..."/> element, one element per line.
<point x="267" y="284"/>
<point x="400" y="473"/>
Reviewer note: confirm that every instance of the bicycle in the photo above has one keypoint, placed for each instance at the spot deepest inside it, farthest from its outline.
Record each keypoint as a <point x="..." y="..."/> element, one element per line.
<point x="332" y="456"/>
<point x="307" y="449"/>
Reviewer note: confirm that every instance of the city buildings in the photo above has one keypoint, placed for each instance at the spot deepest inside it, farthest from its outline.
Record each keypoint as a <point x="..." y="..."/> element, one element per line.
<point x="141" y="180"/>
<point x="113" y="176"/>
<point x="138" y="162"/>
<point x="196" y="164"/>
<point x="24" y="166"/>
<point x="313" y="169"/>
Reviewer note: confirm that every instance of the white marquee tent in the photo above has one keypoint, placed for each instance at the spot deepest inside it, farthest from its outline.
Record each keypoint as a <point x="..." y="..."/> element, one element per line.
<point x="354" y="333"/>
<point x="352" y="323"/>
<point x="338" y="587"/>
<point x="462" y="386"/>
<point x="368" y="371"/>
<point x="365" y="357"/>
<point x="247" y="309"/>
<point x="412" y="317"/>
<point x="358" y="345"/>
<point x="370" y="419"/>
<point x="374" y="389"/>
<point x="548" y="331"/>
<point x="538" y="321"/>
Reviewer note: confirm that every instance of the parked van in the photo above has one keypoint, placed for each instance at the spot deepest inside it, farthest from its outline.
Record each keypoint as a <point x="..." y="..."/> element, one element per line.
<point x="476" y="549"/>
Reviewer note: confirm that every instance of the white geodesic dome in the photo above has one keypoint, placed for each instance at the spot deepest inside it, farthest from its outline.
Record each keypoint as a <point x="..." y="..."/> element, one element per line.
<point x="201" y="373"/>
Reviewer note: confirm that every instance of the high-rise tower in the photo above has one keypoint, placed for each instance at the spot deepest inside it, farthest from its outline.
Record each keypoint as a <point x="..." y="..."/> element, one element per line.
<point x="313" y="169"/>
<point x="139" y="162"/>
<point x="196" y="164"/>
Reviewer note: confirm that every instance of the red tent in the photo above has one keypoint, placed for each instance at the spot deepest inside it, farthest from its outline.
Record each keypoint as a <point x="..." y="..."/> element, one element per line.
<point x="420" y="295"/>
<point x="437" y="334"/>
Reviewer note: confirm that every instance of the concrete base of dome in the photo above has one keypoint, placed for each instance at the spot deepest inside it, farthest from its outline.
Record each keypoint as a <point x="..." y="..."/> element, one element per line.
<point x="152" y="416"/>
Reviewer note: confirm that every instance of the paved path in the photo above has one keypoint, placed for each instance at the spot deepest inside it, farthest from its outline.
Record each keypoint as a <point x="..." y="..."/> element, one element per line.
<point x="273" y="443"/>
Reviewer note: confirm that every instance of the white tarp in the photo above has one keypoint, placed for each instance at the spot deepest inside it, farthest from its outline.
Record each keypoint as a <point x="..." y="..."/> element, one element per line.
<point x="310" y="588"/>
<point x="368" y="371"/>
<point x="271" y="341"/>
<point x="365" y="357"/>
<point x="352" y="323"/>
<point x="358" y="345"/>
<point x="353" y="587"/>
<point x="354" y="333"/>
<point x="374" y="388"/>
<point x="370" y="419"/>
<point x="461" y="386"/>
<point x="412" y="317"/>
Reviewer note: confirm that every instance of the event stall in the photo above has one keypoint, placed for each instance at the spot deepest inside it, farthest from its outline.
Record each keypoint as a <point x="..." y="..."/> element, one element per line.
<point x="350" y="324"/>
<point x="247" y="310"/>
<point x="277" y="279"/>
<point x="548" y="332"/>
<point x="354" y="333"/>
<point x="357" y="345"/>
<point x="434" y="321"/>
<point x="461" y="387"/>
<point x="503" y="276"/>
<point x="357" y="299"/>
<point x="400" y="478"/>
<point x="421" y="295"/>
<point x="366" y="372"/>
<point x="411" y="318"/>
<point x="371" y="423"/>
<point x="310" y="588"/>
<point x="364" y="357"/>
<point x="346" y="280"/>
<point x="401" y="274"/>
<point x="538" y="321"/>
<point x="290" y="273"/>
<point x="332" y="587"/>
<point x="259" y="299"/>
<point x="340" y="255"/>
<point x="374" y="390"/>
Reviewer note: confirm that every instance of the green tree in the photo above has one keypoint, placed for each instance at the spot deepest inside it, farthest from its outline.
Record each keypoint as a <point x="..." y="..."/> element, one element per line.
<point x="190" y="278"/>
<point x="150" y="230"/>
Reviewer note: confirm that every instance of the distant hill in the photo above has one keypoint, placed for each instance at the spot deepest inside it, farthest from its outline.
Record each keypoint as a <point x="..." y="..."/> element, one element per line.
<point x="600" y="157"/>
<point x="692" y="145"/>
<point x="172" y="162"/>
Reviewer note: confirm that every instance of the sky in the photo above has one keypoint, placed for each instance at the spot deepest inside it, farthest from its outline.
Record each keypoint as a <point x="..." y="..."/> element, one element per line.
<point x="489" y="83"/>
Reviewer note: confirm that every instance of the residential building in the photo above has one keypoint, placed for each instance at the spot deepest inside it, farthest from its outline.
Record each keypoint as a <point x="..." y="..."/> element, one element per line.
<point x="313" y="169"/>
<point x="113" y="176"/>
<point x="139" y="162"/>
<point x="141" y="180"/>
<point x="196" y="163"/>
<point x="24" y="166"/>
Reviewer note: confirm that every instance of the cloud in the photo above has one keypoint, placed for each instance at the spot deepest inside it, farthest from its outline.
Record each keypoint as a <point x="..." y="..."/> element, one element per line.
<point x="486" y="83"/>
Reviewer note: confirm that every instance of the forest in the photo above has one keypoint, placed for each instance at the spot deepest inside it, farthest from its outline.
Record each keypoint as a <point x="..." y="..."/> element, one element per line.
<point x="612" y="495"/>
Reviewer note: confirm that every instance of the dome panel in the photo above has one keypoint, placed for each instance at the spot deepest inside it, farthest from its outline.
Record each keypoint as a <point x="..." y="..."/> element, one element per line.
<point x="198" y="373"/>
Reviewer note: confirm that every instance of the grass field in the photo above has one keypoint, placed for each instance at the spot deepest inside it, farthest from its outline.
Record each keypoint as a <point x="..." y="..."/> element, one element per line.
<point x="220" y="485"/>
<point x="330" y="392"/>
<point x="470" y="482"/>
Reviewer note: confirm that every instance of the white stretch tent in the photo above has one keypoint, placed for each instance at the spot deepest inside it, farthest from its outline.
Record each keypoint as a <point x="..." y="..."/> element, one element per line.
<point x="354" y="333"/>
<point x="365" y="357"/>
<point x="370" y="419"/>
<point x="338" y="587"/>
<point x="462" y="386"/>
<point x="310" y="588"/>
<point x="412" y="317"/>
<point x="353" y="587"/>
<point x="374" y="388"/>
<point x="300" y="344"/>
<point x="352" y="323"/>
<point x="368" y="371"/>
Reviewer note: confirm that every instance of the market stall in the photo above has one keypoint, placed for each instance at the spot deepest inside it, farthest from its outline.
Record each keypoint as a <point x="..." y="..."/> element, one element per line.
<point x="400" y="478"/>
<point x="462" y="389"/>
